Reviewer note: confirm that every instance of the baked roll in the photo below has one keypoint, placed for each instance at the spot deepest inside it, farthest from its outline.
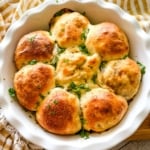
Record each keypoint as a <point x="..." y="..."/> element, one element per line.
<point x="69" y="29"/>
<point x="37" y="46"/>
<point x="122" y="76"/>
<point x="32" y="83"/>
<point x="108" y="40"/>
<point x="59" y="113"/>
<point x="102" y="109"/>
<point x="77" y="76"/>
<point x="76" y="67"/>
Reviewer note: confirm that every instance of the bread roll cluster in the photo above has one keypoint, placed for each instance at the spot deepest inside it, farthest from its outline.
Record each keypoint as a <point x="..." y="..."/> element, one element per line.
<point x="76" y="76"/>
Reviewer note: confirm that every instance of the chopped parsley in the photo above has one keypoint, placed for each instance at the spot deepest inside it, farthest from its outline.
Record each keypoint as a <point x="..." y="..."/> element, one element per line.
<point x="55" y="102"/>
<point x="54" y="61"/>
<point x="102" y="65"/>
<point x="60" y="50"/>
<point x="124" y="57"/>
<point x="59" y="13"/>
<point x="142" y="67"/>
<point x="84" y="134"/>
<point x="50" y="33"/>
<point x="94" y="78"/>
<point x="83" y="49"/>
<point x="83" y="121"/>
<point x="32" y="62"/>
<point x="84" y="34"/>
<point x="58" y="85"/>
<point x="77" y="88"/>
<point x="12" y="92"/>
<point x="42" y="96"/>
<point x="31" y="39"/>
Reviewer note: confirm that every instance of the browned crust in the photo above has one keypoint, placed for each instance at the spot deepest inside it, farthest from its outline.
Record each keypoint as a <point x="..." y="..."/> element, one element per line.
<point x="123" y="77"/>
<point x="103" y="110"/>
<point x="37" y="45"/>
<point x="108" y="40"/>
<point x="31" y="82"/>
<point x="59" y="113"/>
<point x="68" y="28"/>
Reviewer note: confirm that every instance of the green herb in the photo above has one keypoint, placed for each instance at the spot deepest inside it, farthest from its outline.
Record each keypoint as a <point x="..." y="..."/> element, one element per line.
<point x="84" y="86"/>
<point x="60" y="50"/>
<point x="12" y="92"/>
<point x="58" y="85"/>
<point x="50" y="33"/>
<point x="57" y="1"/>
<point x="84" y="34"/>
<point x="83" y="49"/>
<point x="94" y="78"/>
<point x="46" y="62"/>
<point x="54" y="61"/>
<point x="142" y="67"/>
<point x="83" y="121"/>
<point x="32" y="62"/>
<point x="73" y="87"/>
<point x="102" y="65"/>
<point x="55" y="102"/>
<point x="124" y="57"/>
<point x="77" y="88"/>
<point x="42" y="96"/>
<point x="59" y="13"/>
<point x="84" y="134"/>
<point x="50" y="110"/>
<point x="38" y="104"/>
<point x="31" y="39"/>
<point x="66" y="60"/>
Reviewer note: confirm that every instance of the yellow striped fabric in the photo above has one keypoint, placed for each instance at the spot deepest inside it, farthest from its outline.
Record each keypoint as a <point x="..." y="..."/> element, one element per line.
<point x="140" y="9"/>
<point x="6" y="13"/>
<point x="2" y="27"/>
<point x="12" y="10"/>
<point x="23" y="6"/>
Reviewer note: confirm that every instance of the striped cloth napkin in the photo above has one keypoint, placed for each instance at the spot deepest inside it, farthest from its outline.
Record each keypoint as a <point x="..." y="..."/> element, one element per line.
<point x="12" y="10"/>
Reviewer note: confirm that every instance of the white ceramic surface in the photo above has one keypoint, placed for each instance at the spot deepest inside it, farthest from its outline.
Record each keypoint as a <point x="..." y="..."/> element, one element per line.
<point x="96" y="11"/>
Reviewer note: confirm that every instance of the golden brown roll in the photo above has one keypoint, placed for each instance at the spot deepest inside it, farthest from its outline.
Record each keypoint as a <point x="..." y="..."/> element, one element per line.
<point x="122" y="76"/>
<point x="37" y="45"/>
<point x="102" y="109"/>
<point x="60" y="113"/>
<point x="32" y="83"/>
<point x="108" y="40"/>
<point x="76" y="76"/>
<point x="69" y="29"/>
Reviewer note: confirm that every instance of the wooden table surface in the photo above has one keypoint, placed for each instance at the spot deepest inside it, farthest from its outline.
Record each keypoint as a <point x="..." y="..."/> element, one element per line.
<point x="143" y="132"/>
